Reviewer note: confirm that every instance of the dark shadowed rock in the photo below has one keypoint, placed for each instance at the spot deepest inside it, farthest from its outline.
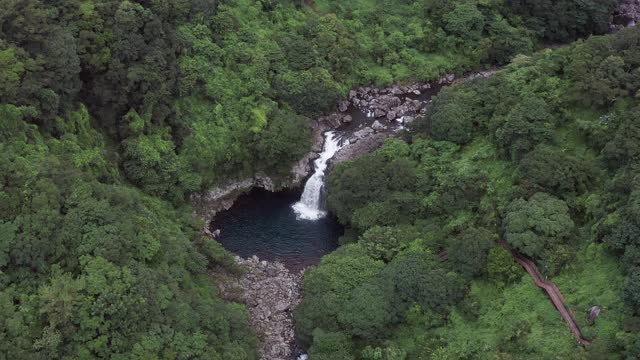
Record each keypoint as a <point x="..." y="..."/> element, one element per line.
<point x="379" y="113"/>
<point x="344" y="106"/>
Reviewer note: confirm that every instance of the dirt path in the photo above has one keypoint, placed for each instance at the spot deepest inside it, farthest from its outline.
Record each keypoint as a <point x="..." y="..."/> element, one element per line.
<point x="552" y="291"/>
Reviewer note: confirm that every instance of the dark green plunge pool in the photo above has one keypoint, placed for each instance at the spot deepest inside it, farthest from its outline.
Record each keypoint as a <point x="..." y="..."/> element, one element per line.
<point x="264" y="224"/>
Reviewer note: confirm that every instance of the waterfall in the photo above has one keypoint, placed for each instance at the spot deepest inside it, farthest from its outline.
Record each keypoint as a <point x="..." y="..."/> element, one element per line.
<point x="309" y="206"/>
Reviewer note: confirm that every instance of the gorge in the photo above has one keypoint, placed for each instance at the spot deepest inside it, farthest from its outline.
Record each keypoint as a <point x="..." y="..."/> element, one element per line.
<point x="278" y="230"/>
<point x="279" y="179"/>
<point x="261" y="216"/>
<point x="278" y="234"/>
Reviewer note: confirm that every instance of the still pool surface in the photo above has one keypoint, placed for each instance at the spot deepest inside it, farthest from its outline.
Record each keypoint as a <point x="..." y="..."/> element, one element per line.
<point x="263" y="223"/>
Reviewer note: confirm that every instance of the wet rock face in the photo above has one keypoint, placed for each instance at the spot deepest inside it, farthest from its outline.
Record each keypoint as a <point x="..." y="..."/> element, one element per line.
<point x="271" y="292"/>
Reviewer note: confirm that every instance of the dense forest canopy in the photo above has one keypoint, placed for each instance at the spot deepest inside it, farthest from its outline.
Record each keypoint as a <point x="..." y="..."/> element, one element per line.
<point x="112" y="112"/>
<point x="542" y="155"/>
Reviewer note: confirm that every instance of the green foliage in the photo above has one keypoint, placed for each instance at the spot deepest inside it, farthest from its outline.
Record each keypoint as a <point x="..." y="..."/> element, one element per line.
<point x="564" y="20"/>
<point x="535" y="225"/>
<point x="543" y="154"/>
<point x="551" y="170"/>
<point x="151" y="163"/>
<point x="366" y="314"/>
<point x="465" y="21"/>
<point x="501" y="266"/>
<point x="622" y="148"/>
<point x="310" y="92"/>
<point x="468" y="251"/>
<point x="456" y="114"/>
<point x="384" y="243"/>
<point x="329" y="290"/>
<point x="11" y="73"/>
<point x="110" y="108"/>
<point x="527" y="124"/>
<point x="373" y="178"/>
<point x="518" y="321"/>
<point x="330" y="346"/>
<point x="92" y="267"/>
<point x="415" y="278"/>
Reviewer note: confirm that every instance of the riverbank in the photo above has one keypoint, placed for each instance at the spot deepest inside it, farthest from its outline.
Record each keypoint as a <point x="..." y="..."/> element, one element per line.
<point x="271" y="292"/>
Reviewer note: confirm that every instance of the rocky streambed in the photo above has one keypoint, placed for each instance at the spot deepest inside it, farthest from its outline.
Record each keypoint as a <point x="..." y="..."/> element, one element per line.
<point x="270" y="292"/>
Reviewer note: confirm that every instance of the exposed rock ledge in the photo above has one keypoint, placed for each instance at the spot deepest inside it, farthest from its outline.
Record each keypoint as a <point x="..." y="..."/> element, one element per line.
<point x="207" y="204"/>
<point x="270" y="292"/>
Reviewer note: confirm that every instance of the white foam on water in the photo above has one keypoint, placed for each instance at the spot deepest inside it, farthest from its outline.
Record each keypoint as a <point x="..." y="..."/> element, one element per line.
<point x="309" y="207"/>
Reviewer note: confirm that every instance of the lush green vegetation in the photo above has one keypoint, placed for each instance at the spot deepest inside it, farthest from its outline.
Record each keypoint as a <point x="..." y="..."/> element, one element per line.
<point x="543" y="155"/>
<point x="112" y="112"/>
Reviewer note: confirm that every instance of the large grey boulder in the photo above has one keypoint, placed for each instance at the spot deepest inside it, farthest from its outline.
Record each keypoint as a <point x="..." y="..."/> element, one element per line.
<point x="377" y="126"/>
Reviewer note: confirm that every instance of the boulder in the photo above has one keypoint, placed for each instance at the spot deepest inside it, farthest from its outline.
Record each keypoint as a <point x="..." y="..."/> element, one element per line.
<point x="395" y="90"/>
<point x="347" y="119"/>
<point x="333" y="120"/>
<point x="594" y="312"/>
<point x="379" y="113"/>
<point x="363" y="133"/>
<point x="282" y="306"/>
<point x="408" y="119"/>
<point x="343" y="106"/>
<point x="391" y="115"/>
<point x="377" y="126"/>
<point x="388" y="101"/>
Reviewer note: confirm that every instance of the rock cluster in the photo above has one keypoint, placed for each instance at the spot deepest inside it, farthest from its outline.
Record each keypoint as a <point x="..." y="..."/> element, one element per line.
<point x="270" y="292"/>
<point x="392" y="102"/>
<point x="390" y="109"/>
<point x="627" y="15"/>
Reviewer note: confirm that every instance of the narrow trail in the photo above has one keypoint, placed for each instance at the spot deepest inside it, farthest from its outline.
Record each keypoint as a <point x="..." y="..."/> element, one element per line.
<point x="552" y="291"/>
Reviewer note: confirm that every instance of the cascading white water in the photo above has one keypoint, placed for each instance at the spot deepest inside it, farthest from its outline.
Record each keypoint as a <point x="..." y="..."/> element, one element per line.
<point x="309" y="206"/>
